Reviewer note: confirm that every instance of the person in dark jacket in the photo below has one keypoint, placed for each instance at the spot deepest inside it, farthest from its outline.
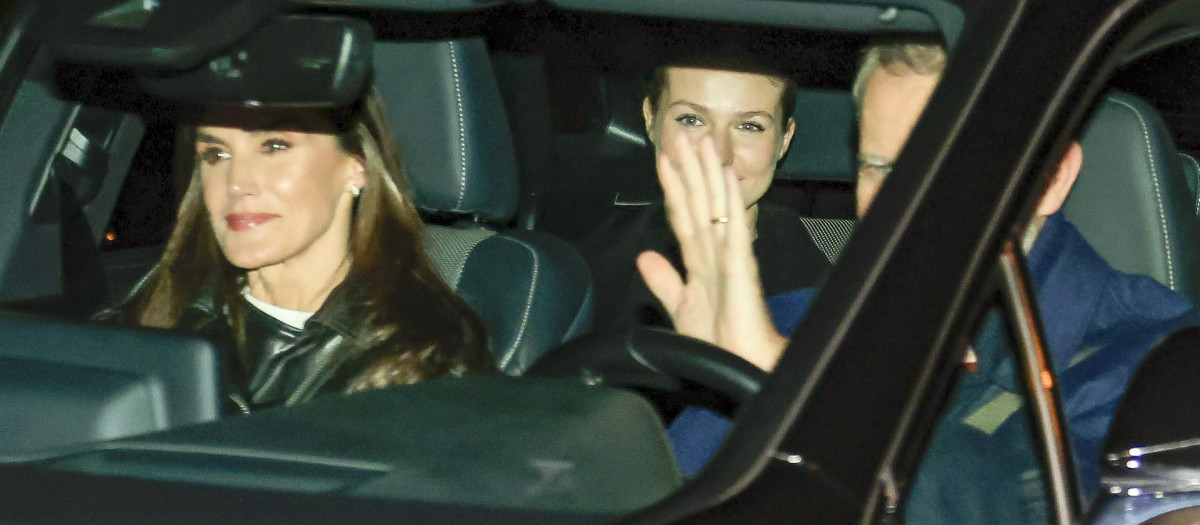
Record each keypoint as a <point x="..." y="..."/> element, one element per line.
<point x="980" y="466"/>
<point x="745" y="107"/>
<point x="298" y="245"/>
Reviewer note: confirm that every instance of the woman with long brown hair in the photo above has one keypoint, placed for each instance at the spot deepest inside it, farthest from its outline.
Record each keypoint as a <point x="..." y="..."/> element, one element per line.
<point x="297" y="243"/>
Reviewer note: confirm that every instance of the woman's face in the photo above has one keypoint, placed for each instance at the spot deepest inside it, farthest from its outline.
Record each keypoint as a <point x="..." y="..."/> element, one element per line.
<point x="277" y="197"/>
<point x="740" y="111"/>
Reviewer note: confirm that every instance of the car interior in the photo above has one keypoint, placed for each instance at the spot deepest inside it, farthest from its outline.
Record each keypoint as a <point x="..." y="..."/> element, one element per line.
<point x="531" y="288"/>
<point x="1130" y="161"/>
<point x="497" y="229"/>
<point x="521" y="129"/>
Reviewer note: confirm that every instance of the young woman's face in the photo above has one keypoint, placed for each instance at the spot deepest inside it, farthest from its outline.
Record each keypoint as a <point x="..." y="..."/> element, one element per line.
<point x="276" y="197"/>
<point x="740" y="111"/>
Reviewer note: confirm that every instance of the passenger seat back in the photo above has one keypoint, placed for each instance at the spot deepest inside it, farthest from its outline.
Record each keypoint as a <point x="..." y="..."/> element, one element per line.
<point x="532" y="290"/>
<point x="1131" y="201"/>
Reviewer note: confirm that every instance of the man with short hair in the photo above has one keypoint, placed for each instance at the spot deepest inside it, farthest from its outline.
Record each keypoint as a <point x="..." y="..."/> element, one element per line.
<point x="980" y="466"/>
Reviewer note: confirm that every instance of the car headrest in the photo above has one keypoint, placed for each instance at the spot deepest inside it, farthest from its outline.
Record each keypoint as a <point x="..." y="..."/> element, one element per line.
<point x="449" y="118"/>
<point x="824" y="143"/>
<point x="1131" y="201"/>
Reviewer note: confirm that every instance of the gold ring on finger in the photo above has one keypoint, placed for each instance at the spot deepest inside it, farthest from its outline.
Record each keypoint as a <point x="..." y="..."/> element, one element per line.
<point x="720" y="220"/>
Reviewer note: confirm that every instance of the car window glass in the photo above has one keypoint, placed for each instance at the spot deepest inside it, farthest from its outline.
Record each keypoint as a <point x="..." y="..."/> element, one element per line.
<point x="574" y="86"/>
<point x="1109" y="262"/>
<point x="1139" y="151"/>
<point x="599" y="150"/>
<point x="145" y="209"/>
<point x="599" y="189"/>
<point x="981" y="462"/>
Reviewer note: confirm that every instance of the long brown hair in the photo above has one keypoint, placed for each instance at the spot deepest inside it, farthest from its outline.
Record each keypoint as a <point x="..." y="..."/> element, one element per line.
<point x="417" y="327"/>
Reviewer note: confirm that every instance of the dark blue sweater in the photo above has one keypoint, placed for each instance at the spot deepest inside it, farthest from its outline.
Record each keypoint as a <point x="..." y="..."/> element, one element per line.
<point x="1099" y="325"/>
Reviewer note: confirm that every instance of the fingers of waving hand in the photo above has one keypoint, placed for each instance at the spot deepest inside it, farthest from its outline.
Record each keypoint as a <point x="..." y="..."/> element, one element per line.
<point x="689" y="303"/>
<point x="715" y="177"/>
<point x="744" y="326"/>
<point x="721" y="301"/>
<point x="739" y="266"/>
<point x="681" y="303"/>
<point x="661" y="278"/>
<point x="704" y="177"/>
<point x="694" y="187"/>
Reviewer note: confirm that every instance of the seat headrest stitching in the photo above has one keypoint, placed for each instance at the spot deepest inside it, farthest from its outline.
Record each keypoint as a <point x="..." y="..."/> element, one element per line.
<point x="1162" y="214"/>
<point x="1195" y="165"/>
<point x="462" y="127"/>
<point x="511" y="351"/>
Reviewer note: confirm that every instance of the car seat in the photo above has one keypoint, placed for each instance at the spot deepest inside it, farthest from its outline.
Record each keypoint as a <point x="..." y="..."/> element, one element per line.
<point x="823" y="149"/>
<point x="532" y="290"/>
<point x="1131" y="201"/>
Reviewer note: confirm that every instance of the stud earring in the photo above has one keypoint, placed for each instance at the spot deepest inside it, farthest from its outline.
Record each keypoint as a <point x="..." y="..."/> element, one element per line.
<point x="355" y="190"/>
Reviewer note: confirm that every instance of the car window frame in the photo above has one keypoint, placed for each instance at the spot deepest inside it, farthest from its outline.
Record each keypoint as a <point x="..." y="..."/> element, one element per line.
<point x="974" y="85"/>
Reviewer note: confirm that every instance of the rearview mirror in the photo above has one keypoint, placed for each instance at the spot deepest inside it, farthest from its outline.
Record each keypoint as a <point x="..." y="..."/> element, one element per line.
<point x="292" y="61"/>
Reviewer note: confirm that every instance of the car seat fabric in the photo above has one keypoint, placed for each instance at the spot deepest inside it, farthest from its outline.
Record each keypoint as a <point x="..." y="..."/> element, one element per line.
<point x="1131" y="201"/>
<point x="823" y="148"/>
<point x="830" y="235"/>
<point x="449" y="119"/>
<point x="532" y="290"/>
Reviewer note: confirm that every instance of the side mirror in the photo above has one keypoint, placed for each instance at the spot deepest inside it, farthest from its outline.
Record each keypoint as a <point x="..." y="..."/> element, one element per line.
<point x="1153" y="443"/>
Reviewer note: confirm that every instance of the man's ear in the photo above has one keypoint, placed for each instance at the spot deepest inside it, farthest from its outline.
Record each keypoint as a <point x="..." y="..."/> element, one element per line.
<point x="1062" y="181"/>
<point x="788" y="133"/>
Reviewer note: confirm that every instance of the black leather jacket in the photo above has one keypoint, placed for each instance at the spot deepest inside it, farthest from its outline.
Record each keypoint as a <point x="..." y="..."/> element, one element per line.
<point x="283" y="365"/>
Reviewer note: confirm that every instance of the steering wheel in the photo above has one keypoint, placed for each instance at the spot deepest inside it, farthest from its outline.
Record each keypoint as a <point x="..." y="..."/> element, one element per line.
<point x="683" y="370"/>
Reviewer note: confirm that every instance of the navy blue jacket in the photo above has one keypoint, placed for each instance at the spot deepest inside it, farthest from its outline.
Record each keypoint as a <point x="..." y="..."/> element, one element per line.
<point x="1099" y="325"/>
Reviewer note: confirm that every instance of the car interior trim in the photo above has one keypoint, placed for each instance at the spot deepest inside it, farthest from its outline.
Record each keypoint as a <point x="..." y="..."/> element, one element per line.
<point x="415" y="5"/>
<point x="184" y="36"/>
<point x="1130" y="155"/>
<point x="1158" y="197"/>
<point x="916" y="16"/>
<point x="449" y="248"/>
<point x="462" y="125"/>
<point x="534" y="269"/>
<point x="525" y="443"/>
<point x="830" y="235"/>
<point x="1033" y="359"/>
<point x="24" y="248"/>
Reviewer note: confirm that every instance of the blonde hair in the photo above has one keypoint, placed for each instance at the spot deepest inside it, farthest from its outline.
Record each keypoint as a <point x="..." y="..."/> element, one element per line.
<point x="899" y="55"/>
